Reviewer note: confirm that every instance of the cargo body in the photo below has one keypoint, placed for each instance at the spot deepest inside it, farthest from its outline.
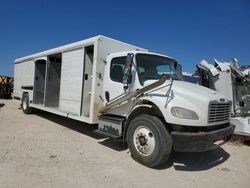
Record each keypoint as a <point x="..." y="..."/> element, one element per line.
<point x="132" y="94"/>
<point x="67" y="80"/>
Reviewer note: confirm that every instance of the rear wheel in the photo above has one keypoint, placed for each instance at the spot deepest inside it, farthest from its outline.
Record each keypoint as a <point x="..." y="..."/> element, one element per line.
<point x="149" y="141"/>
<point x="25" y="104"/>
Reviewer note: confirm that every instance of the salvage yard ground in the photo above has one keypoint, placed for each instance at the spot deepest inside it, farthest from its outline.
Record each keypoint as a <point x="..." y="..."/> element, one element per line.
<point x="45" y="150"/>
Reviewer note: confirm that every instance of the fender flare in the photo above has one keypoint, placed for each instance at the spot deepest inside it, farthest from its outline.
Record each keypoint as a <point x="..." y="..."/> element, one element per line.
<point x="148" y="108"/>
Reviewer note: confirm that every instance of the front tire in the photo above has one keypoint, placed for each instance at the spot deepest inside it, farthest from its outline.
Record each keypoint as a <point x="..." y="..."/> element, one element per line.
<point x="26" y="105"/>
<point x="149" y="141"/>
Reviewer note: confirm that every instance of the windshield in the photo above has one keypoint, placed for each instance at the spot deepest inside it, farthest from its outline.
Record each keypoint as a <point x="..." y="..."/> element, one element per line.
<point x="152" y="67"/>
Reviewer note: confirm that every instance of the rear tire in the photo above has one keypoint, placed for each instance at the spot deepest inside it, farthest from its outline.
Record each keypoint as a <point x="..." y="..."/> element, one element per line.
<point x="26" y="104"/>
<point x="149" y="141"/>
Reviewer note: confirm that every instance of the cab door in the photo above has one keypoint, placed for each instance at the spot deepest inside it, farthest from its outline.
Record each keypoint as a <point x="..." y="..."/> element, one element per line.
<point x="113" y="86"/>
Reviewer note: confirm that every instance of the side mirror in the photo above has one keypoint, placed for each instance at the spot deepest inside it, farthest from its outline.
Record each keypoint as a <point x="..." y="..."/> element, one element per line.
<point x="179" y="71"/>
<point x="179" y="68"/>
<point x="127" y="77"/>
<point x="236" y="63"/>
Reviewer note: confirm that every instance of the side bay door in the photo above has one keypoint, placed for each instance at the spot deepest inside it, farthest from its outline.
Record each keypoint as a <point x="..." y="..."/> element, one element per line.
<point x="72" y="81"/>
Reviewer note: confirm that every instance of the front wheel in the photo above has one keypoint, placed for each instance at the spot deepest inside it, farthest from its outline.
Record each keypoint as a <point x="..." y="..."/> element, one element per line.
<point x="149" y="141"/>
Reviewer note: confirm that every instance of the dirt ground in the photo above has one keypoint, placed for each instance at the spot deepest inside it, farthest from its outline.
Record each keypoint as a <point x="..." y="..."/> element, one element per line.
<point x="45" y="150"/>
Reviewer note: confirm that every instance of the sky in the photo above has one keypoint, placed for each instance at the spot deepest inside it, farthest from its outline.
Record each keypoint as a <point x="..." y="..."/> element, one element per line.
<point x="188" y="31"/>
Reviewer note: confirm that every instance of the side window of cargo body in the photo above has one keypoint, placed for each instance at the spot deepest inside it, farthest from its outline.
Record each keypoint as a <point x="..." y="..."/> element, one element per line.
<point x="117" y="68"/>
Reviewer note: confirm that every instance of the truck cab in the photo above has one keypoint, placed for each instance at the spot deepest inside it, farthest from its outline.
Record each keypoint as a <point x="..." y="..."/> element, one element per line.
<point x="147" y="103"/>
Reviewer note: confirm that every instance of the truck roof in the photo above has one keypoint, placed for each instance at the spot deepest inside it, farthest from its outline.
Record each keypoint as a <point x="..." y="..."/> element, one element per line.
<point x="66" y="47"/>
<point x="142" y="52"/>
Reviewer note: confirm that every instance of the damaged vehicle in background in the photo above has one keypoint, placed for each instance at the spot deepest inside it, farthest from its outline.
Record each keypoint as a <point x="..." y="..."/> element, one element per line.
<point x="233" y="82"/>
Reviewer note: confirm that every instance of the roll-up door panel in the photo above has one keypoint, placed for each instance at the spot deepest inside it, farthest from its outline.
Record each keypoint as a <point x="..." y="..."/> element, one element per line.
<point x="71" y="81"/>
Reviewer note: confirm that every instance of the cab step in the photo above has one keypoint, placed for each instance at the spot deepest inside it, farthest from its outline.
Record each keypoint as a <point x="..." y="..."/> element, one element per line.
<point x="110" y="126"/>
<point x="106" y="134"/>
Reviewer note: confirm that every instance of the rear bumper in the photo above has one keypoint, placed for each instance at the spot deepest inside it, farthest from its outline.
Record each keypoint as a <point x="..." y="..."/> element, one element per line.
<point x="201" y="141"/>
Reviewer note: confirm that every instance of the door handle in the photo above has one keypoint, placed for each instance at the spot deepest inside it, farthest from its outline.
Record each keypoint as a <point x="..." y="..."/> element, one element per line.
<point x="86" y="76"/>
<point x="107" y="96"/>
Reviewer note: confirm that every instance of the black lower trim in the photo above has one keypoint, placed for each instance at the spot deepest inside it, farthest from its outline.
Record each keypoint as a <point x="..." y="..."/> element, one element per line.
<point x="27" y="87"/>
<point x="201" y="141"/>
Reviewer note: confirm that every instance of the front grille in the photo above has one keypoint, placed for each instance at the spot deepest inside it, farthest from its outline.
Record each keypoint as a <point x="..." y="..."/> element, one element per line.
<point x="219" y="112"/>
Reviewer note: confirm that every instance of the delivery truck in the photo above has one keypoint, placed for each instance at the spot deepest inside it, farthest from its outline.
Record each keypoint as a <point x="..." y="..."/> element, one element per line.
<point x="233" y="82"/>
<point x="134" y="95"/>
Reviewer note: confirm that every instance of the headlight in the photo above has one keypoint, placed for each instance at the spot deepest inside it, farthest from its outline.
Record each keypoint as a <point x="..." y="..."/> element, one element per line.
<point x="184" y="113"/>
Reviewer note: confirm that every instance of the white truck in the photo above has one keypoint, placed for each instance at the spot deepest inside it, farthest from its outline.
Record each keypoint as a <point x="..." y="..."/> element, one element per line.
<point x="234" y="83"/>
<point x="132" y="94"/>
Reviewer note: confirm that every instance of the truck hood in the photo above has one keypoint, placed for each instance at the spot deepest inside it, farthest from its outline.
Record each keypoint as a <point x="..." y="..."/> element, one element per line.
<point x="185" y="88"/>
<point x="185" y="95"/>
<point x="189" y="90"/>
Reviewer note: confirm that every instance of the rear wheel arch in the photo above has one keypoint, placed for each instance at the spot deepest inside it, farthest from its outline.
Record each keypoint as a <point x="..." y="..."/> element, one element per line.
<point x="25" y="93"/>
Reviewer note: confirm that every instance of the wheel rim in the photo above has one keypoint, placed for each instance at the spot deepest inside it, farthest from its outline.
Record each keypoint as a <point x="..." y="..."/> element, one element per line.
<point x="144" y="140"/>
<point x="24" y="104"/>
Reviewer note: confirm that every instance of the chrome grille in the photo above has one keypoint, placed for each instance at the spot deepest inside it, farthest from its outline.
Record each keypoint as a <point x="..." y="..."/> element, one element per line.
<point x="219" y="112"/>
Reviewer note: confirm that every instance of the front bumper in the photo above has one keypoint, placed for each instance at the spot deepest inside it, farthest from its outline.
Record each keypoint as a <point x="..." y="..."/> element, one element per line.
<point x="201" y="141"/>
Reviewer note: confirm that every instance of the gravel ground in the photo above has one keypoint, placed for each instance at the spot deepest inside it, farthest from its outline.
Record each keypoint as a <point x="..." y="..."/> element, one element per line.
<point x="45" y="150"/>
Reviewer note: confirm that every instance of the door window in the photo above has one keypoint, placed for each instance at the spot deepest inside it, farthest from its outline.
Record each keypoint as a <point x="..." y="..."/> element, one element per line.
<point x="117" y="69"/>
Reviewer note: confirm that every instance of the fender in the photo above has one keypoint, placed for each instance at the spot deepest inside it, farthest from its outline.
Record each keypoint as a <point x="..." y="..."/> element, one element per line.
<point x="145" y="108"/>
